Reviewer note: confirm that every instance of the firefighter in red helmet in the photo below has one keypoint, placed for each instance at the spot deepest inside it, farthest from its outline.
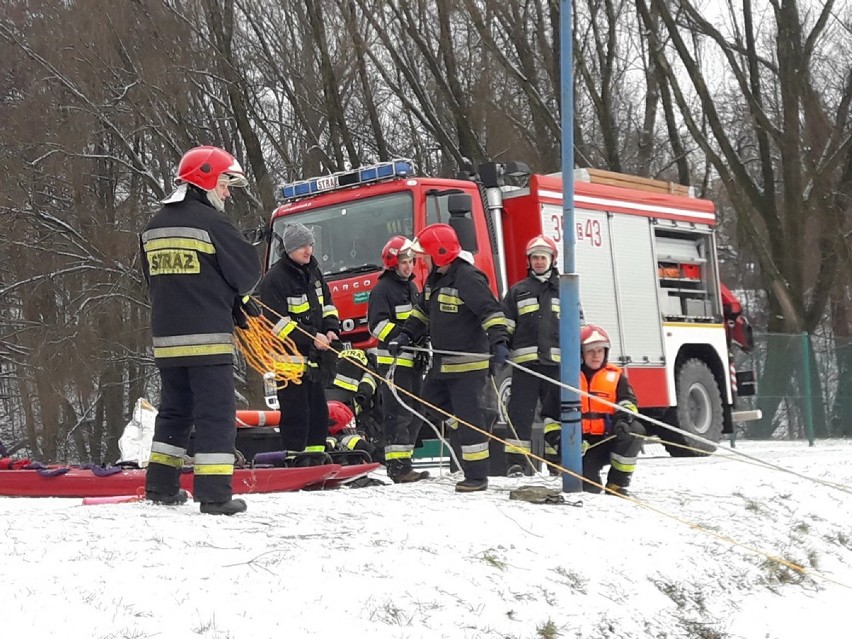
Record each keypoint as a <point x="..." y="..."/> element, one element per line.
<point x="532" y="308"/>
<point x="343" y="434"/>
<point x="391" y="303"/>
<point x="602" y="379"/>
<point x="459" y="313"/>
<point x="200" y="272"/>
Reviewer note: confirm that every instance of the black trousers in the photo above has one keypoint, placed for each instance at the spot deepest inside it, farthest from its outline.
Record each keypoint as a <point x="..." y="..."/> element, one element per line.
<point x="462" y="396"/>
<point x="527" y="390"/>
<point x="623" y="446"/>
<point x="304" y="416"/>
<point x="202" y="396"/>
<point x="399" y="425"/>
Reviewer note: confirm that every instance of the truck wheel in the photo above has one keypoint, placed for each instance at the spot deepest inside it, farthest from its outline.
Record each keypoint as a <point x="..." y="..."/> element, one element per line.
<point x="698" y="410"/>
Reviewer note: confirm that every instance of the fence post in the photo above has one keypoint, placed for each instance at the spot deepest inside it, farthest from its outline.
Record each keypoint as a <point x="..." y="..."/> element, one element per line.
<point x="806" y="388"/>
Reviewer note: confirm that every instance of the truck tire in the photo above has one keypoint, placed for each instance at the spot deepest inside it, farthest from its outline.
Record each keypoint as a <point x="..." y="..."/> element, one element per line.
<point x="698" y="410"/>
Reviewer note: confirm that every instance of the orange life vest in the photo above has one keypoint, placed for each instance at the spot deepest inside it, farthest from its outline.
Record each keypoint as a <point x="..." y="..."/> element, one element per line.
<point x="597" y="417"/>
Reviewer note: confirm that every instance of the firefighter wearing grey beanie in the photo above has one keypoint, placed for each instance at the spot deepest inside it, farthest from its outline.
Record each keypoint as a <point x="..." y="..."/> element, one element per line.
<point x="296" y="236"/>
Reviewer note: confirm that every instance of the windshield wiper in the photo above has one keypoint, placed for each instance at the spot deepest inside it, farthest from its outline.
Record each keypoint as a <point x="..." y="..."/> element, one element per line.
<point x="363" y="268"/>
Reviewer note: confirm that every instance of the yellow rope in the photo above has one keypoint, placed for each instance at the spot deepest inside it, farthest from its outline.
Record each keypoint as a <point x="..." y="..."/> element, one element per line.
<point x="266" y="352"/>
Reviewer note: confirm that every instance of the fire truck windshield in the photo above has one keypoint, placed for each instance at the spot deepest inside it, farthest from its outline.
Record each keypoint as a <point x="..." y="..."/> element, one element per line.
<point x="349" y="236"/>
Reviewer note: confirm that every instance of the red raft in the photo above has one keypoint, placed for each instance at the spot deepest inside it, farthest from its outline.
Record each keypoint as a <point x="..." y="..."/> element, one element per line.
<point x="78" y="482"/>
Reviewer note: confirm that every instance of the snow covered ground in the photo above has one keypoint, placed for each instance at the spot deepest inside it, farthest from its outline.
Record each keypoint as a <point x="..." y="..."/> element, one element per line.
<point x="421" y="561"/>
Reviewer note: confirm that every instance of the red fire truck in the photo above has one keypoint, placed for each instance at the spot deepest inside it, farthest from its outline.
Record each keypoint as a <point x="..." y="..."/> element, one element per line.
<point x="645" y="252"/>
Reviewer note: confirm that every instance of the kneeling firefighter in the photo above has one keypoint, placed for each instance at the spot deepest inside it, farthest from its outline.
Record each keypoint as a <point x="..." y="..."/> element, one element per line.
<point x="601" y="379"/>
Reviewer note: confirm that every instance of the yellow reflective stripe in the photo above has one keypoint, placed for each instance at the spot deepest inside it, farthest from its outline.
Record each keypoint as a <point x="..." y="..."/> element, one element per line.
<point x="527" y="357"/>
<point x="624" y="464"/>
<point x="283" y="327"/>
<point x="166" y="460"/>
<point x="214" y="469"/>
<point x="496" y="319"/>
<point x="367" y="378"/>
<point x="403" y="315"/>
<point x="551" y="426"/>
<point x="389" y="326"/>
<point x="528" y="308"/>
<point x="388" y="360"/>
<point x="475" y="452"/>
<point x="348" y="383"/>
<point x="550" y="450"/>
<point x="628" y="405"/>
<point x="299" y="308"/>
<point x="419" y="315"/>
<point x="510" y="325"/>
<point x="179" y="243"/>
<point x="398" y="451"/>
<point x="193" y="351"/>
<point x="464" y="368"/>
<point x="517" y="446"/>
<point x="329" y="311"/>
<point x="452" y="423"/>
<point x="315" y="449"/>
<point x="449" y="299"/>
<point x="350" y="441"/>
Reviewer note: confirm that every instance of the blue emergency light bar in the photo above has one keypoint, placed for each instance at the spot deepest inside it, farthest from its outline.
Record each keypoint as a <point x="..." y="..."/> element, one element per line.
<point x="366" y="174"/>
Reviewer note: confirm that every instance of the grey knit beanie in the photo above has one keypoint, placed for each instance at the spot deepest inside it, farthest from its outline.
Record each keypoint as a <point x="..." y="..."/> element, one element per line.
<point x="296" y="236"/>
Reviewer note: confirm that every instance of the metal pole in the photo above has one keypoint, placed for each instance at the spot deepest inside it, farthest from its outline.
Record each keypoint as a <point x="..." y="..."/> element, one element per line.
<point x="569" y="281"/>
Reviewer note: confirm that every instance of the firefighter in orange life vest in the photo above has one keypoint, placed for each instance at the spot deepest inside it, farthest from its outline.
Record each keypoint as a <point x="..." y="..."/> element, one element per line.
<point x="200" y="271"/>
<point x="607" y="381"/>
<point x="391" y="303"/>
<point x="459" y="313"/>
<point x="532" y="308"/>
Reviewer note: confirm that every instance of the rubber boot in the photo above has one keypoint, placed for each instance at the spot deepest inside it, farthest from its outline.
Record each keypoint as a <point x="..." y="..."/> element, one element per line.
<point x="411" y="476"/>
<point x="618" y="491"/>
<point x="231" y="507"/>
<point x="174" y="499"/>
<point x="472" y="485"/>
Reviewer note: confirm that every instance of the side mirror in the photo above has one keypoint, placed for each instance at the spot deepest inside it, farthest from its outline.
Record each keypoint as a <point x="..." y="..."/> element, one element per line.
<point x="459" y="205"/>
<point x="255" y="236"/>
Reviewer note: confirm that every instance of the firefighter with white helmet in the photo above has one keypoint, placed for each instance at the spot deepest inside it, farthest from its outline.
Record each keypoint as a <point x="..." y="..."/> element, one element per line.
<point x="391" y="302"/>
<point x="532" y="308"/>
<point x="602" y="379"/>
<point x="200" y="271"/>
<point x="459" y="313"/>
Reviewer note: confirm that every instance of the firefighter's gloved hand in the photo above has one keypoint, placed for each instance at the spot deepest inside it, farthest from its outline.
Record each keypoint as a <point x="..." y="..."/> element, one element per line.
<point x="240" y="319"/>
<point x="360" y="399"/>
<point x="622" y="429"/>
<point x="398" y="343"/>
<point x="250" y="307"/>
<point x="501" y="354"/>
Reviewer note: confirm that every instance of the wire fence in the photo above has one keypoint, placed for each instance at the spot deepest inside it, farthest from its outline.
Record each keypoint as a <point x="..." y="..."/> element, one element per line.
<point x="804" y="387"/>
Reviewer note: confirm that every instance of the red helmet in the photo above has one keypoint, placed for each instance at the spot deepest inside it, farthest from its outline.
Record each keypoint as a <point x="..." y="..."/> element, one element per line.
<point x="438" y="241"/>
<point x="542" y="244"/>
<point x="397" y="247"/>
<point x="591" y="335"/>
<point x="203" y="165"/>
<point x="340" y="417"/>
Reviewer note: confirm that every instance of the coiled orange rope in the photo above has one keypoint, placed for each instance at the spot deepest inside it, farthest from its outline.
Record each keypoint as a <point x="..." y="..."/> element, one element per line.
<point x="265" y="352"/>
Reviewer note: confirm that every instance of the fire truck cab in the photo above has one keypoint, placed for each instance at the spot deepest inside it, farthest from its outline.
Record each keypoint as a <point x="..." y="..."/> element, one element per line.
<point x="645" y="253"/>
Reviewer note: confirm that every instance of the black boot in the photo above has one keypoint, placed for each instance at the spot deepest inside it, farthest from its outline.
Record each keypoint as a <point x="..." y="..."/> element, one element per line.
<point x="174" y="499"/>
<point x="410" y="477"/>
<point x="231" y="507"/>
<point x="472" y="485"/>
<point x="619" y="491"/>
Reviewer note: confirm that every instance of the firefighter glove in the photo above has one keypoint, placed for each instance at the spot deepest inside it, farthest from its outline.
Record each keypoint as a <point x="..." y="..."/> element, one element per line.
<point x="398" y="343"/>
<point x="250" y="307"/>
<point x="622" y="429"/>
<point x="240" y="319"/>
<point x="501" y="353"/>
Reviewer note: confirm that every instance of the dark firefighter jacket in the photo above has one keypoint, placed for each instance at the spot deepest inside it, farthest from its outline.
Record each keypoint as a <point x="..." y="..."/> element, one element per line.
<point x="298" y="297"/>
<point x="460" y="313"/>
<point x="532" y="308"/>
<point x="391" y="302"/>
<point x="197" y="265"/>
<point x="610" y="384"/>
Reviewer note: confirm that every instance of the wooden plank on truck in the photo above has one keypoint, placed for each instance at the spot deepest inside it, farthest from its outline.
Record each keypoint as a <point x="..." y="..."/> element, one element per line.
<point x="622" y="180"/>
